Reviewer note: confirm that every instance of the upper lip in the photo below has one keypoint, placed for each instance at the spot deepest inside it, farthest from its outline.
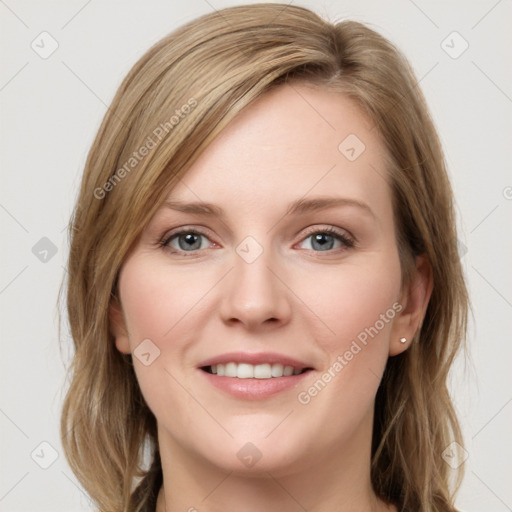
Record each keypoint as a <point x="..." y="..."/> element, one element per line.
<point x="254" y="359"/>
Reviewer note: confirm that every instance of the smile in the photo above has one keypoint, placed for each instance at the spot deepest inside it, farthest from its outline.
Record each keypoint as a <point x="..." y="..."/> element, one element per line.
<point x="254" y="376"/>
<point x="252" y="371"/>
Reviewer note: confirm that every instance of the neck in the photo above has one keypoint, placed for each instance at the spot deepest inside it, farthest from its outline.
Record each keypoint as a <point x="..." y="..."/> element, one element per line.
<point x="337" y="480"/>
<point x="227" y="493"/>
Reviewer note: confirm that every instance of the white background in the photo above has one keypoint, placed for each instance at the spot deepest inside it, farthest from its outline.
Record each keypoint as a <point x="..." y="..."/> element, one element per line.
<point x="51" y="109"/>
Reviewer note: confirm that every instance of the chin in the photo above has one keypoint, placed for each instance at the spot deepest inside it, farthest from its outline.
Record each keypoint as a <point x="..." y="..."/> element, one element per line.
<point x="254" y="455"/>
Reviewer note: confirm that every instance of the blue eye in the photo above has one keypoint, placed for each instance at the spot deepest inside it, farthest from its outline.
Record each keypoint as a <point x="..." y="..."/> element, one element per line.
<point x="187" y="241"/>
<point x="321" y="240"/>
<point x="326" y="240"/>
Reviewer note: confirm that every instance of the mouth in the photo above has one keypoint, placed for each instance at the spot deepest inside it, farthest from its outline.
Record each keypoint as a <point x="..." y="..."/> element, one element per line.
<point x="254" y="371"/>
<point x="250" y="376"/>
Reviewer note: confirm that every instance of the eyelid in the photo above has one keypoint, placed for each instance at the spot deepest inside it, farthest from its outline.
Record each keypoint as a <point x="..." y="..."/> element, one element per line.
<point x="184" y="229"/>
<point x="343" y="234"/>
<point x="163" y="241"/>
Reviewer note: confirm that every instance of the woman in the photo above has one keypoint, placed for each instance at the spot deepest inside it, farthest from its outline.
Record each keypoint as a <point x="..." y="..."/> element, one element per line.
<point x="264" y="291"/>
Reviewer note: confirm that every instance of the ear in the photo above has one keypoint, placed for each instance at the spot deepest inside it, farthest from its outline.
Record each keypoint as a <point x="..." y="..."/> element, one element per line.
<point x="118" y="327"/>
<point x="414" y="299"/>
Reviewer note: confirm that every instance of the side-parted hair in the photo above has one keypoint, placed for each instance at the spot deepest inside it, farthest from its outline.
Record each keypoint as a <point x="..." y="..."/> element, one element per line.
<point x="174" y="102"/>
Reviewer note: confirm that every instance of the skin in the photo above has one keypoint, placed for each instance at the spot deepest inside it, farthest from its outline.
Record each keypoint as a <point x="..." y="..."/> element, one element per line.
<point x="295" y="299"/>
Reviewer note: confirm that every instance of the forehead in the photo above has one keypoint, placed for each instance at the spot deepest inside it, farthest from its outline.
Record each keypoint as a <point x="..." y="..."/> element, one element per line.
<point x="291" y="142"/>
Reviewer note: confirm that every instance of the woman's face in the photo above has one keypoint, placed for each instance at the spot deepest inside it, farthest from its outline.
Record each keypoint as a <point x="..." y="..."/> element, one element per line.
<point x="275" y="254"/>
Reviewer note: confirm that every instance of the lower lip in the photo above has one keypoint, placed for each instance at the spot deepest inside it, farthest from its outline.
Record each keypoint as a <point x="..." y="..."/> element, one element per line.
<point x="254" y="389"/>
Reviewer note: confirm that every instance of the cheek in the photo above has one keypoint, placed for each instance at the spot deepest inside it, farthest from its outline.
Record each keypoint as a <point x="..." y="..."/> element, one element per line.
<point x="157" y="302"/>
<point x="155" y="308"/>
<point x="358" y="304"/>
<point x="352" y="299"/>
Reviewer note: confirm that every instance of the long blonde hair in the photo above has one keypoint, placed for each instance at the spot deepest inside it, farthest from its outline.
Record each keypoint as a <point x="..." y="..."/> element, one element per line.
<point x="174" y="101"/>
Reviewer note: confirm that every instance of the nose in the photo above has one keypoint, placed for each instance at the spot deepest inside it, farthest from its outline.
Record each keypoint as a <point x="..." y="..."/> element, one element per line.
<point x="254" y="296"/>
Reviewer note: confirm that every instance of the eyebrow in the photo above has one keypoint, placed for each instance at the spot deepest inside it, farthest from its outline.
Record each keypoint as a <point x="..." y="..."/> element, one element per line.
<point x="300" y="206"/>
<point x="309" y="205"/>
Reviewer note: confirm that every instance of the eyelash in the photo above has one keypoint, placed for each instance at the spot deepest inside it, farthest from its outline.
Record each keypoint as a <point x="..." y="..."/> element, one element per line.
<point x="347" y="241"/>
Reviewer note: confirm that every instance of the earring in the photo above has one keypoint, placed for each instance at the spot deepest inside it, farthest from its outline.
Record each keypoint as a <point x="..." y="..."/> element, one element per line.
<point x="403" y="340"/>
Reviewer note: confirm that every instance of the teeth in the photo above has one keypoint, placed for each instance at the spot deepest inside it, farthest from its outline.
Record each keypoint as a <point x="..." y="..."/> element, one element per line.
<point x="276" y="370"/>
<point x="250" y="371"/>
<point x="262" y="371"/>
<point x="230" y="370"/>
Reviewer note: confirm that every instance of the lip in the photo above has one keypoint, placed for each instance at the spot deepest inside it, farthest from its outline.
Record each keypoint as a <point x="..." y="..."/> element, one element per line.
<point x="254" y="389"/>
<point x="254" y="359"/>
